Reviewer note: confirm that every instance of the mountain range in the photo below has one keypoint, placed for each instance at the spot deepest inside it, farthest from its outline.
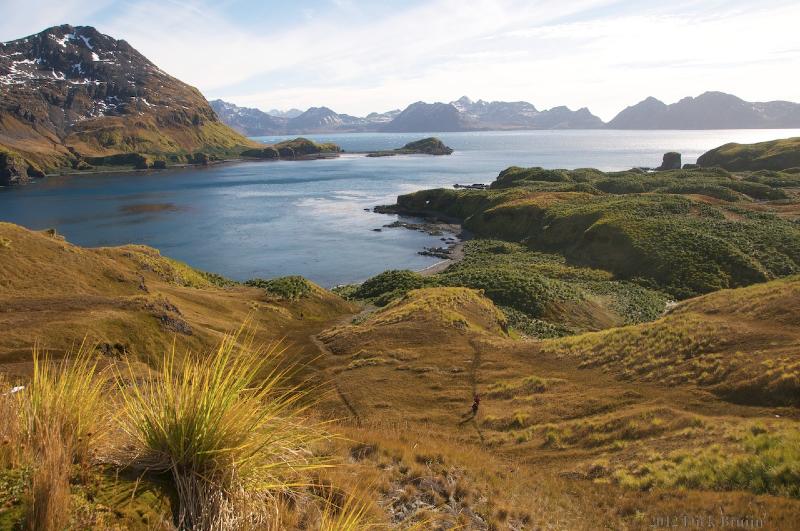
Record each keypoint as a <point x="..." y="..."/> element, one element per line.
<point x="460" y="115"/>
<point x="710" y="110"/>
<point x="71" y="95"/>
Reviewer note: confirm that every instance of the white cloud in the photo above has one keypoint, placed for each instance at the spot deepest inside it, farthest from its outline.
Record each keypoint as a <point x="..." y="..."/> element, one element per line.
<point x="595" y="53"/>
<point x="20" y="18"/>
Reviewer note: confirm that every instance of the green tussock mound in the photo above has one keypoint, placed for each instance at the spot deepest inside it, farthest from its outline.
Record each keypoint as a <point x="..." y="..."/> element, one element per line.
<point x="428" y="146"/>
<point x="291" y="287"/>
<point x="764" y="463"/>
<point x="771" y="155"/>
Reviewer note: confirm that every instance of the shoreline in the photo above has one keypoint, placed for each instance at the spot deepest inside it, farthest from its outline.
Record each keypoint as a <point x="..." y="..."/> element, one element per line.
<point x="457" y="255"/>
<point x="242" y="160"/>
<point x="433" y="225"/>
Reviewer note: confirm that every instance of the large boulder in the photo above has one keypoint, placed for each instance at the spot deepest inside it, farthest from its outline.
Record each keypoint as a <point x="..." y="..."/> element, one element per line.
<point x="671" y="161"/>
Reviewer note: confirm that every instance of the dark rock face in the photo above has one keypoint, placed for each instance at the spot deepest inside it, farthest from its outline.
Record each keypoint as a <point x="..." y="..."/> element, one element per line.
<point x="13" y="169"/>
<point x="711" y="110"/>
<point x="671" y="161"/>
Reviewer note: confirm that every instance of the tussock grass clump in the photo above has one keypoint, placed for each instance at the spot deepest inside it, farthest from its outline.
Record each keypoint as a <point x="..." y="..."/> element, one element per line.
<point x="61" y="419"/>
<point x="49" y="504"/>
<point x="522" y="387"/>
<point x="65" y="397"/>
<point x="762" y="462"/>
<point x="11" y="428"/>
<point x="350" y="515"/>
<point x="226" y="441"/>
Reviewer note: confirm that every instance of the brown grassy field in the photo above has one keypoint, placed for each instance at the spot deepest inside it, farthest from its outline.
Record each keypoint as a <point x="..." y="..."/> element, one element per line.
<point x="591" y="415"/>
<point x="694" y="415"/>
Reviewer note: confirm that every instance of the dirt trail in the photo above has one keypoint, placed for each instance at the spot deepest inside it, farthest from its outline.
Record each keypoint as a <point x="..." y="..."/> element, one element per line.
<point x="327" y="354"/>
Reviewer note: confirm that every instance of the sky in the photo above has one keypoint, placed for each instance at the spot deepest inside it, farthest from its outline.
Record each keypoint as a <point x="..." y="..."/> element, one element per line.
<point x="357" y="56"/>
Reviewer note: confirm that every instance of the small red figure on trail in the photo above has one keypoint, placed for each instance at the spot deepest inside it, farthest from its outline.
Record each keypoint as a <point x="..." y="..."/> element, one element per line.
<point x="476" y="401"/>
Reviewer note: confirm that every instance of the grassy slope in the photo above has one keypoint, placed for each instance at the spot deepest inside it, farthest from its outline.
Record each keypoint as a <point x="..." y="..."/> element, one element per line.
<point x="617" y="442"/>
<point x="556" y="443"/>
<point x="771" y="155"/>
<point x="741" y="344"/>
<point x="131" y="300"/>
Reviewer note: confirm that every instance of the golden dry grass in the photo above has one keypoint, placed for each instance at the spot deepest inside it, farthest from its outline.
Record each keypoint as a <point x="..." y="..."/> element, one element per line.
<point x="555" y="442"/>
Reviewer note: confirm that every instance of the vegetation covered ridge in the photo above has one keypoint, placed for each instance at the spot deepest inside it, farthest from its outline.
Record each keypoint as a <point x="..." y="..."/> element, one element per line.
<point x="298" y="148"/>
<point x="775" y="155"/>
<point x="685" y="232"/>
<point x="540" y="294"/>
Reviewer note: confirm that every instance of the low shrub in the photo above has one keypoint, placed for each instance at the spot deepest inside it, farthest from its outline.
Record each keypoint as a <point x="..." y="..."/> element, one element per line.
<point x="290" y="287"/>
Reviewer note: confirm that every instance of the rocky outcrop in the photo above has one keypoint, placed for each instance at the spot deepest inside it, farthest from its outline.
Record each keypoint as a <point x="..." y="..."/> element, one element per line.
<point x="269" y="153"/>
<point x="426" y="146"/>
<point x="671" y="161"/>
<point x="13" y="169"/>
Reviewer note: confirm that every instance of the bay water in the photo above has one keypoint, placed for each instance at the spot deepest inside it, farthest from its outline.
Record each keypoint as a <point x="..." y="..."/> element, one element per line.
<point x="275" y="218"/>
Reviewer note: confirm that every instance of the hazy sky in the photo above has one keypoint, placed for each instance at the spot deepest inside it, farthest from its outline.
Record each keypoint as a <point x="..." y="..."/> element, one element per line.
<point x="357" y="57"/>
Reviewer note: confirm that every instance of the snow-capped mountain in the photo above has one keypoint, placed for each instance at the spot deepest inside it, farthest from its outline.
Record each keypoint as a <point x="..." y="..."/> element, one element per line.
<point x="248" y="121"/>
<point x="72" y="93"/>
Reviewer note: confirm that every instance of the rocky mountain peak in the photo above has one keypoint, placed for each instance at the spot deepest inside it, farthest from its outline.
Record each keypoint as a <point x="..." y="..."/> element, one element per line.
<point x="70" y="93"/>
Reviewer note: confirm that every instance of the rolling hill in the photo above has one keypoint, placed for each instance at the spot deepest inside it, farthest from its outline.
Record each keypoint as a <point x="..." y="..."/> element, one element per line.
<point x="773" y="155"/>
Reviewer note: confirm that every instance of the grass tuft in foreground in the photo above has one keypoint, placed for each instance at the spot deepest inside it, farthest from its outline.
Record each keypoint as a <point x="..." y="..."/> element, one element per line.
<point x="65" y="397"/>
<point x="226" y="442"/>
<point x="50" y="425"/>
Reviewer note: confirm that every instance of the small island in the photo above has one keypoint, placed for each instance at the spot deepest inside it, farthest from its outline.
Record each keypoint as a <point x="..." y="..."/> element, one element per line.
<point x="298" y="149"/>
<point x="426" y="146"/>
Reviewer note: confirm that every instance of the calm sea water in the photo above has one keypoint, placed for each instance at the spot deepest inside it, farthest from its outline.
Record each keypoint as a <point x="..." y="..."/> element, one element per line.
<point x="267" y="219"/>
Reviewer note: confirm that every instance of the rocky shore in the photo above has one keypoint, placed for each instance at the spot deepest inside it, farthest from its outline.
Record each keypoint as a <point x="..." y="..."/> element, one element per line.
<point x="452" y="235"/>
